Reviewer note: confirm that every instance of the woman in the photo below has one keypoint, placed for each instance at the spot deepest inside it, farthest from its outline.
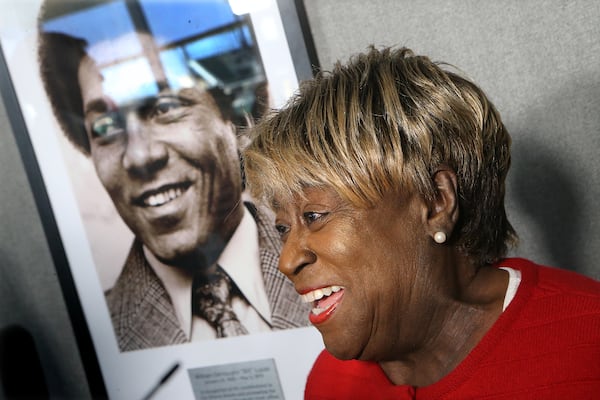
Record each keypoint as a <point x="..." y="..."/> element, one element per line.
<point x="387" y="178"/>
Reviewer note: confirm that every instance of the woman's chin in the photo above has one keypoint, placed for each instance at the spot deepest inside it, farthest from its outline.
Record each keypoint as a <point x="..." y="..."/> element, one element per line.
<point x="340" y="349"/>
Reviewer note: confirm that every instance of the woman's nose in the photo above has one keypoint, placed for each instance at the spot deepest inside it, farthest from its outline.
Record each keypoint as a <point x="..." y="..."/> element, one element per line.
<point x="295" y="254"/>
<point x="144" y="153"/>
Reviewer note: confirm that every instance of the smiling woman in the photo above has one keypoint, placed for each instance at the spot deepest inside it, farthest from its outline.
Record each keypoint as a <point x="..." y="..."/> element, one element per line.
<point x="387" y="177"/>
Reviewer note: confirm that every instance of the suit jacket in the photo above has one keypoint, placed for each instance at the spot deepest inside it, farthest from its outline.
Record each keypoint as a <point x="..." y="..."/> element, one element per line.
<point x="143" y="315"/>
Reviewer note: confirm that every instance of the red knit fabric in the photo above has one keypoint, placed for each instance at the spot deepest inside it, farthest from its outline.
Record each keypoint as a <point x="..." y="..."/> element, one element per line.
<point x="546" y="345"/>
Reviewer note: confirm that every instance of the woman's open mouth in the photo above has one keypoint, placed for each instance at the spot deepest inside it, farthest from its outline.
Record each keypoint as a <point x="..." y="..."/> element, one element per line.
<point x="325" y="301"/>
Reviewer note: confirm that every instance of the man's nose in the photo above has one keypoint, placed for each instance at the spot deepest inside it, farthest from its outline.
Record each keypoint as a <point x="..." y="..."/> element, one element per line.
<point x="144" y="154"/>
<point x="296" y="254"/>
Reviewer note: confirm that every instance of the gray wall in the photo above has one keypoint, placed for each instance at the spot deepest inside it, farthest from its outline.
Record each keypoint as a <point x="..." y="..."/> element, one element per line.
<point x="30" y="295"/>
<point x="539" y="62"/>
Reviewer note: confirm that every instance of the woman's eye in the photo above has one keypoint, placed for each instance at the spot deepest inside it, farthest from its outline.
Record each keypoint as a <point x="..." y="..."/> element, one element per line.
<point x="282" y="229"/>
<point x="312" y="216"/>
<point x="109" y="124"/>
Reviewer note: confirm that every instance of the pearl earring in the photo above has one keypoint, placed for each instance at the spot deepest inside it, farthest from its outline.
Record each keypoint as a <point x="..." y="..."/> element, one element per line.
<point x="439" y="237"/>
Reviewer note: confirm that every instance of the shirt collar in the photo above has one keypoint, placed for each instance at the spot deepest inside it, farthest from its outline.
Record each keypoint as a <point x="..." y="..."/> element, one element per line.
<point x="240" y="259"/>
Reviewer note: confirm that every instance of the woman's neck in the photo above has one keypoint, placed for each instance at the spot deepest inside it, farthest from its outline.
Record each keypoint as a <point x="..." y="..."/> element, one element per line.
<point x="462" y="321"/>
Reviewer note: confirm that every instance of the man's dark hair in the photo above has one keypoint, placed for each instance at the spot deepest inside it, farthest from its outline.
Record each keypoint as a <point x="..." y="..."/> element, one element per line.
<point x="59" y="56"/>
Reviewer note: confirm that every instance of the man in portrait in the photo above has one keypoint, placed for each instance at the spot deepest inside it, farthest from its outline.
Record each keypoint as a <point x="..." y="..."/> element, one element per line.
<point x="203" y="263"/>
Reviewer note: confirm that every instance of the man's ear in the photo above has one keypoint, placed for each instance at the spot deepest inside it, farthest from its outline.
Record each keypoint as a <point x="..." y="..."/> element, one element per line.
<point x="242" y="137"/>
<point x="443" y="210"/>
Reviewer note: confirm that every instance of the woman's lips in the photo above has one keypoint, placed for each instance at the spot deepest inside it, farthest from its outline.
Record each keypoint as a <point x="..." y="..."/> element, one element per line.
<point x="325" y="301"/>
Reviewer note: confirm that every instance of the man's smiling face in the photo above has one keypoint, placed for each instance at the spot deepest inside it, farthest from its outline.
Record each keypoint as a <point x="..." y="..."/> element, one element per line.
<point x="169" y="162"/>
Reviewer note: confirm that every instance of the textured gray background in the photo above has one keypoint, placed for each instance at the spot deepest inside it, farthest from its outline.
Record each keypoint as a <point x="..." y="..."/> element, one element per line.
<point x="538" y="60"/>
<point x="30" y="295"/>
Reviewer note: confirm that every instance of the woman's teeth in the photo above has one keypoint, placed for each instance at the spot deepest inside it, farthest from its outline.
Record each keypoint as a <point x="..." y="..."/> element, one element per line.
<point x="318" y="294"/>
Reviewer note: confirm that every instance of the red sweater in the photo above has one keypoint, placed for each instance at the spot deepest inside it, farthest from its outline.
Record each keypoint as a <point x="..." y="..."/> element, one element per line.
<point x="545" y="345"/>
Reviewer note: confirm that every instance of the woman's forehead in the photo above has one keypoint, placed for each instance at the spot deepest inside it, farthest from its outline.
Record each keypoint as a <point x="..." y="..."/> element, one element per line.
<point x="313" y="195"/>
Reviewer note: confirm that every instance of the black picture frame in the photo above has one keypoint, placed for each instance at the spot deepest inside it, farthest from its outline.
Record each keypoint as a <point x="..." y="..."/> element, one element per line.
<point x="302" y="51"/>
<point x="82" y="335"/>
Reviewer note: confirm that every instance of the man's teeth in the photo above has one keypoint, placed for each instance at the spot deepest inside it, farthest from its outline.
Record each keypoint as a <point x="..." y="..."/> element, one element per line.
<point x="161" y="198"/>
<point x="318" y="294"/>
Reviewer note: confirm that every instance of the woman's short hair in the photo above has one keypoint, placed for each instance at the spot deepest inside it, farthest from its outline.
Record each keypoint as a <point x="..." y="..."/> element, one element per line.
<point x="388" y="120"/>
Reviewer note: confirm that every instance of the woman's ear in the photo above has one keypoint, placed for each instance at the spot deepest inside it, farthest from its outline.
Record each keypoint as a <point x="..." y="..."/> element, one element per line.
<point x="443" y="210"/>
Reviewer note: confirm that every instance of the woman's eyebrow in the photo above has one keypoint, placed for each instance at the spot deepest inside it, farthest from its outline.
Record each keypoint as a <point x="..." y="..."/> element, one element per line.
<point x="275" y="205"/>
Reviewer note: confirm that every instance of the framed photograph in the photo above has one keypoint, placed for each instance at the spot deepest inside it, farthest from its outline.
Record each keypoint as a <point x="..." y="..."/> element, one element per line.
<point x="129" y="115"/>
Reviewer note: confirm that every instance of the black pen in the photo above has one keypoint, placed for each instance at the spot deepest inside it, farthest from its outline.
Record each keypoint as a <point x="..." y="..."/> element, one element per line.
<point x="162" y="381"/>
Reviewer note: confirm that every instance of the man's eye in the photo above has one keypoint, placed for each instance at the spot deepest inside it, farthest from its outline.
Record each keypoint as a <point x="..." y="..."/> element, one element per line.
<point x="167" y="106"/>
<point x="108" y="124"/>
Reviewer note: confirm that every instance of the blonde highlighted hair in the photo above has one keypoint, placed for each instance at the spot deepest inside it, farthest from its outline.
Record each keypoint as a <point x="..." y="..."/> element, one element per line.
<point x="387" y="120"/>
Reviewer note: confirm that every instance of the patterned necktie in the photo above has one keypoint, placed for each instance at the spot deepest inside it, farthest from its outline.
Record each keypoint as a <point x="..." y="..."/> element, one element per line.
<point x="211" y="296"/>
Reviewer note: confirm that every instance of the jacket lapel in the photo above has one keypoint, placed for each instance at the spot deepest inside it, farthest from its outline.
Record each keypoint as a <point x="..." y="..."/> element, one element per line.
<point x="287" y="311"/>
<point x="141" y="309"/>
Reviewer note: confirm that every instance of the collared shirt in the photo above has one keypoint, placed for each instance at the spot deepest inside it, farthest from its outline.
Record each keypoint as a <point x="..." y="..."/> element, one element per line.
<point x="241" y="260"/>
<point x="514" y="280"/>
